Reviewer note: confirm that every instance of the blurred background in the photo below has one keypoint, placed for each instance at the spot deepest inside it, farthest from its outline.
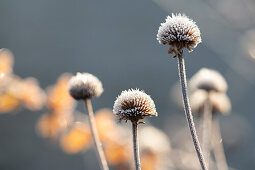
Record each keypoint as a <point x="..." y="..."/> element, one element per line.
<point x="116" y="41"/>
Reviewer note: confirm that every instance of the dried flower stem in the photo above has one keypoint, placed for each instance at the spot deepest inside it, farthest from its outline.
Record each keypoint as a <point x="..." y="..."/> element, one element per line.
<point x="218" y="148"/>
<point x="136" y="146"/>
<point x="93" y="129"/>
<point x="206" y="134"/>
<point x="183" y="82"/>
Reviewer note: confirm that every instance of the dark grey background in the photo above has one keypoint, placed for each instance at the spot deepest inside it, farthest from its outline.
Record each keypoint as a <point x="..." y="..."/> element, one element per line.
<point x="116" y="41"/>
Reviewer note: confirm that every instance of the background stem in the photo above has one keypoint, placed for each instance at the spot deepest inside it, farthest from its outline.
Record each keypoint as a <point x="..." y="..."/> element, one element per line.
<point x="136" y="146"/>
<point x="183" y="82"/>
<point x="206" y="133"/>
<point x="93" y="129"/>
<point x="218" y="148"/>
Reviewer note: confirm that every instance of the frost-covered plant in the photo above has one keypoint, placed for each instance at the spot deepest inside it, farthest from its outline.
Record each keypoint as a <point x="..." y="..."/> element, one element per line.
<point x="134" y="105"/>
<point x="85" y="86"/>
<point x="180" y="32"/>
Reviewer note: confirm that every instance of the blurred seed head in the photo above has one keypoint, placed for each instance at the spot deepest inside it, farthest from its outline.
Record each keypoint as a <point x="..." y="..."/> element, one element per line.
<point x="219" y="101"/>
<point x="209" y="80"/>
<point x="134" y="105"/>
<point x="178" y="31"/>
<point x="85" y="86"/>
<point x="154" y="140"/>
<point x="105" y="124"/>
<point x="198" y="99"/>
<point x="118" y="151"/>
<point x="155" y="147"/>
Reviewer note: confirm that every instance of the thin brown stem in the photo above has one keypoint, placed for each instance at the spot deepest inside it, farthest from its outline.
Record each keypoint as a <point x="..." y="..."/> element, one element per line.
<point x="187" y="109"/>
<point x="218" y="148"/>
<point x="97" y="141"/>
<point x="206" y="134"/>
<point x="136" y="146"/>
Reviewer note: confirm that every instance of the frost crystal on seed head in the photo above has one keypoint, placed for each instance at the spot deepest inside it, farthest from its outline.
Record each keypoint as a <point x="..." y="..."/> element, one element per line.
<point x="134" y="105"/>
<point x="85" y="86"/>
<point x="179" y="32"/>
<point x="209" y="80"/>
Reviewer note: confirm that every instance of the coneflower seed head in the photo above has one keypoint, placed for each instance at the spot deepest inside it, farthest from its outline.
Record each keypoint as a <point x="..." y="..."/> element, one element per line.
<point x="134" y="105"/>
<point x="178" y="31"/>
<point x="85" y="86"/>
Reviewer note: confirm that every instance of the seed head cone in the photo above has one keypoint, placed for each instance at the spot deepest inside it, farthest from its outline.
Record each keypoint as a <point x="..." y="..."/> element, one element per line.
<point x="134" y="105"/>
<point x="178" y="31"/>
<point x="85" y="86"/>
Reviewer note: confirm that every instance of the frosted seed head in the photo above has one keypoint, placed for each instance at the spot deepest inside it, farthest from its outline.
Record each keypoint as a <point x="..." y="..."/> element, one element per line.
<point x="85" y="86"/>
<point x="178" y="31"/>
<point x="134" y="105"/>
<point x="209" y="80"/>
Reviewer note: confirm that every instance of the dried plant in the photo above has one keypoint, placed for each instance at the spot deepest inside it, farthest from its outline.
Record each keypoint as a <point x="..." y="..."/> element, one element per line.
<point x="180" y="32"/>
<point x="208" y="98"/>
<point x="84" y="87"/>
<point x="134" y="105"/>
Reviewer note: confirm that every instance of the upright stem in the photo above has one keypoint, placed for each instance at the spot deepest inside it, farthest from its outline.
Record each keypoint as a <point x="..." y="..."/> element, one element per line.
<point x="136" y="146"/>
<point x="183" y="82"/>
<point x="218" y="148"/>
<point x="93" y="129"/>
<point x="206" y="134"/>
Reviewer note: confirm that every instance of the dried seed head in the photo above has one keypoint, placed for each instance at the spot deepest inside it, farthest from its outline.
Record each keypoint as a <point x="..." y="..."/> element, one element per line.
<point x="134" y="105"/>
<point x="179" y="32"/>
<point x="219" y="101"/>
<point x="85" y="86"/>
<point x="209" y="80"/>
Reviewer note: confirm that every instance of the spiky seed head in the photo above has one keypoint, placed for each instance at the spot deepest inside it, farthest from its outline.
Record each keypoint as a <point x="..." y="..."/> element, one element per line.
<point x="134" y="105"/>
<point x="85" y="86"/>
<point x="209" y="80"/>
<point x="178" y="31"/>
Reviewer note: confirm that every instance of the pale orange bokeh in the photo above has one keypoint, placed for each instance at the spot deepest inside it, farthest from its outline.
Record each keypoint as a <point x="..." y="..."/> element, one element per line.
<point x="105" y="124"/>
<point x="8" y="103"/>
<point x="150" y="161"/>
<point x="31" y="95"/>
<point x="51" y="125"/>
<point x="77" y="139"/>
<point x="9" y="95"/>
<point x="117" y="153"/>
<point x="6" y="61"/>
<point x="58" y="97"/>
